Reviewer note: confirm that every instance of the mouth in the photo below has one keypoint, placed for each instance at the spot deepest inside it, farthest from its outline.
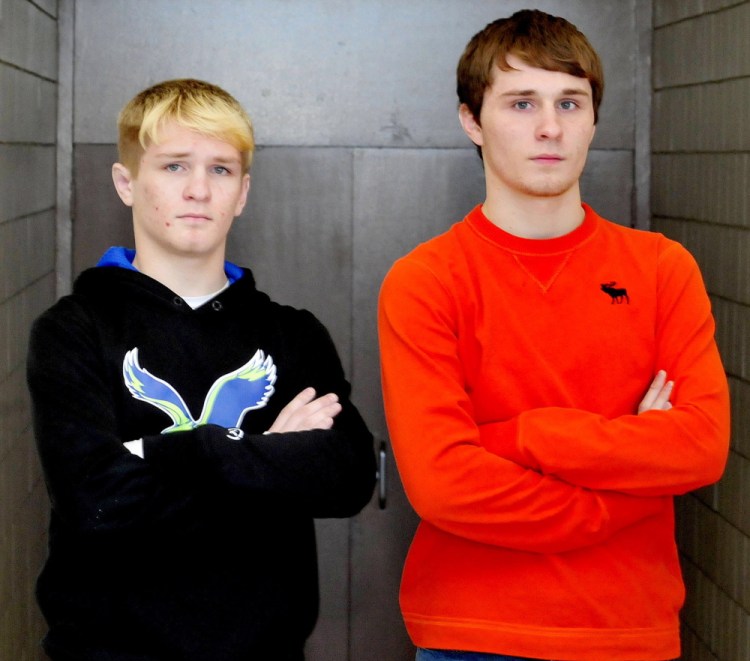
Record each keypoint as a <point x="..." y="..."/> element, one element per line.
<point x="545" y="159"/>
<point x="194" y="217"/>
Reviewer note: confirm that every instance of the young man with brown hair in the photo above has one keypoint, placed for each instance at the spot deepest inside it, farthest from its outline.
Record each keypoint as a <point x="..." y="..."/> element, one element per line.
<point x="551" y="381"/>
<point x="189" y="428"/>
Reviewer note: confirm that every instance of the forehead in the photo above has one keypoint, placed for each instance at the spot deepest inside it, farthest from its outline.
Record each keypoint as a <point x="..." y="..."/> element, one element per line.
<point x="175" y="139"/>
<point x="527" y="78"/>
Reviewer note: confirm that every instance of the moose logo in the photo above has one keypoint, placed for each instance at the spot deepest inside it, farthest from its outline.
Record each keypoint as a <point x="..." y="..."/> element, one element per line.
<point x="617" y="294"/>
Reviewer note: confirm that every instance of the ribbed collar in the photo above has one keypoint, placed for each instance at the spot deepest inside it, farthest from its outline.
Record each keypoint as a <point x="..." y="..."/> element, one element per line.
<point x="519" y="245"/>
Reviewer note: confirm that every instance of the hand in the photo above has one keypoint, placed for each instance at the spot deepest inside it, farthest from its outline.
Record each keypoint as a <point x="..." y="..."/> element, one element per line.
<point x="307" y="412"/>
<point x="657" y="397"/>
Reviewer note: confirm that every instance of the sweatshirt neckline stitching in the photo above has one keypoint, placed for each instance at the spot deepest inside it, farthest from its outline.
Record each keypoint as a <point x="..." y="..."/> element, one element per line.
<point x="515" y="245"/>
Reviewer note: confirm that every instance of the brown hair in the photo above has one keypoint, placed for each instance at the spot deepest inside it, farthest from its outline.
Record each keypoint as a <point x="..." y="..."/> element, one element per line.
<point x="194" y="104"/>
<point x="538" y="39"/>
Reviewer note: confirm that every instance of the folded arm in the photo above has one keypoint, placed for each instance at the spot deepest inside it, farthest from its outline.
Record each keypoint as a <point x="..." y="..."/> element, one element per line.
<point x="97" y="485"/>
<point x="656" y="449"/>
<point x="450" y="478"/>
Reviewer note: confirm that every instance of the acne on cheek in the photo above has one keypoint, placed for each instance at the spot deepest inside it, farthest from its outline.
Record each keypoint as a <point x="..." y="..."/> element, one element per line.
<point x="167" y="223"/>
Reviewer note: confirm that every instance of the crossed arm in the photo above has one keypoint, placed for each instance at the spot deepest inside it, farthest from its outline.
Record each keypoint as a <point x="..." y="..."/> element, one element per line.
<point x="318" y="458"/>
<point x="551" y="478"/>
<point x="304" y="412"/>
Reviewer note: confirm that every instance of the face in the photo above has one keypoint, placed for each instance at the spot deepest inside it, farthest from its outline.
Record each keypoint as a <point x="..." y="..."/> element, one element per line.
<point x="534" y="129"/>
<point x="188" y="190"/>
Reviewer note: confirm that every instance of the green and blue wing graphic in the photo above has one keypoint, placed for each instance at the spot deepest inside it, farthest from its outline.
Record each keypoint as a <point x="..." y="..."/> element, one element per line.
<point x="148" y="388"/>
<point x="228" y="400"/>
<point x="234" y="394"/>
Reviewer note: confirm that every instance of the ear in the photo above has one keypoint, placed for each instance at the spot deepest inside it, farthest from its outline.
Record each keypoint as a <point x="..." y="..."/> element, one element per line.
<point x="243" y="195"/>
<point x="470" y="125"/>
<point x="123" y="181"/>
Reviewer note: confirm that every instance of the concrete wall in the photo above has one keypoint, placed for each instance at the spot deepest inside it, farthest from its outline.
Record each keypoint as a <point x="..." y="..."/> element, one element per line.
<point x="701" y="172"/>
<point x="28" y="89"/>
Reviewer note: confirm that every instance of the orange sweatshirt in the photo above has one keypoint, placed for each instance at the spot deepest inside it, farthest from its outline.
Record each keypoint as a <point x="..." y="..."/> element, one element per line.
<point x="512" y="371"/>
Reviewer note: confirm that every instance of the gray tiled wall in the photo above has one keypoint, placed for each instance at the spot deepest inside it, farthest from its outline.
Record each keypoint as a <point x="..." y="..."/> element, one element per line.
<point x="361" y="156"/>
<point x="326" y="72"/>
<point x="701" y="169"/>
<point x="28" y="69"/>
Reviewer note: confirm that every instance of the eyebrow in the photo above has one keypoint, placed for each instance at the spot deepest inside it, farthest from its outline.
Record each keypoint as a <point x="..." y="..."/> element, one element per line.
<point x="570" y="91"/>
<point x="180" y="155"/>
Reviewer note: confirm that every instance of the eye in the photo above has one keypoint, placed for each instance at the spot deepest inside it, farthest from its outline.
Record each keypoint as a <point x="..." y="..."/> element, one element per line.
<point x="568" y="104"/>
<point x="172" y="167"/>
<point x="220" y="169"/>
<point x="522" y="105"/>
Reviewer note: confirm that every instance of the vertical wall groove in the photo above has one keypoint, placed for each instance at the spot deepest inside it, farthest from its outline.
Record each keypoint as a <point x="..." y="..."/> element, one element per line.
<point x="64" y="220"/>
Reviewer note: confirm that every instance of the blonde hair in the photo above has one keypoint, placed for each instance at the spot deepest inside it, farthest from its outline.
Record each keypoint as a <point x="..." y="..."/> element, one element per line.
<point x="194" y="104"/>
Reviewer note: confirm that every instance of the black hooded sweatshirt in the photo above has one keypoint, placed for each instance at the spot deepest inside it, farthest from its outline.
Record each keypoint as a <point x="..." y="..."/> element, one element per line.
<point x="203" y="550"/>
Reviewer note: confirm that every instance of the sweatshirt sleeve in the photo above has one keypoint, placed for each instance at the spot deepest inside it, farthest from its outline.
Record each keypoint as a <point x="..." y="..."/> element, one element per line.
<point x="325" y="473"/>
<point x="97" y="486"/>
<point x="655" y="453"/>
<point x="452" y="481"/>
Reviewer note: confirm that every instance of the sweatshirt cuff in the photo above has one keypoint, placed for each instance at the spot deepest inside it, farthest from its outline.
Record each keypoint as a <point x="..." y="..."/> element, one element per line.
<point x="135" y="447"/>
<point x="181" y="452"/>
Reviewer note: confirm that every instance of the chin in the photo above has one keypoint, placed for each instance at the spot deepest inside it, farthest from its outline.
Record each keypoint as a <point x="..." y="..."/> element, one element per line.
<point x="548" y="190"/>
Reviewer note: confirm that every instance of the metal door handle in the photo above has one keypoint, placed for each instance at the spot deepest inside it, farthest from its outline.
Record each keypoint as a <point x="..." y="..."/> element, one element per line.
<point x="382" y="475"/>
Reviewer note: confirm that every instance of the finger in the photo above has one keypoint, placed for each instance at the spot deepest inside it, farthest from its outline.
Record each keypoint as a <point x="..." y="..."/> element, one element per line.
<point x="662" y="399"/>
<point x="327" y="423"/>
<point x="298" y="401"/>
<point x="658" y="395"/>
<point x="312" y="415"/>
<point x="311" y="408"/>
<point x="302" y="398"/>
<point x="327" y="417"/>
<point x="306" y="412"/>
<point x="323" y="419"/>
<point x="653" y="391"/>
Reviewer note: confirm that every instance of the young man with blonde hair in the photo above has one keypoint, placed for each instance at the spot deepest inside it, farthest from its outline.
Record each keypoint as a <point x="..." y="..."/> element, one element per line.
<point x="551" y="381"/>
<point x="189" y="428"/>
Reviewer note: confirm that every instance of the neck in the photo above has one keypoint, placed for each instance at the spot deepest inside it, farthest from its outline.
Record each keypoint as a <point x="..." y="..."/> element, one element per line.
<point x="535" y="217"/>
<point x="194" y="276"/>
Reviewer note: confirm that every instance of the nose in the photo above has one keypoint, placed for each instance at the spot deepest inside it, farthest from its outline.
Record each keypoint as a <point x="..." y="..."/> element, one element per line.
<point x="549" y="127"/>
<point x="197" y="185"/>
